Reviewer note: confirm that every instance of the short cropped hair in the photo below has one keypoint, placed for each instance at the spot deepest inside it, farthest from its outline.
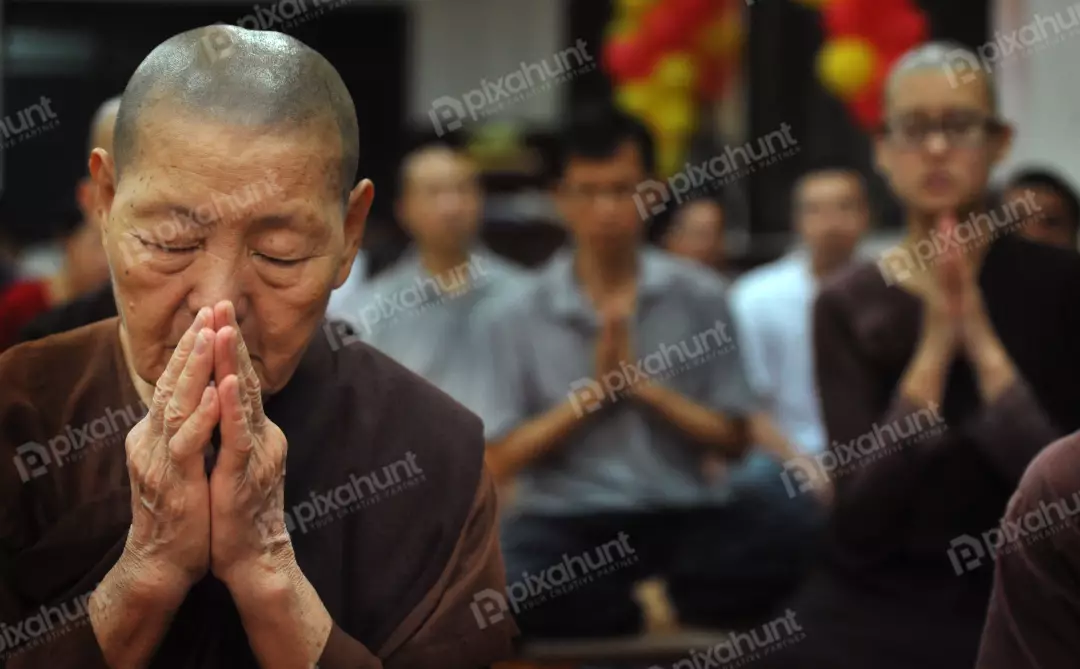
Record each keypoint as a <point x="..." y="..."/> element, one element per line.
<point x="597" y="132"/>
<point x="943" y="56"/>
<point x="1050" y="180"/>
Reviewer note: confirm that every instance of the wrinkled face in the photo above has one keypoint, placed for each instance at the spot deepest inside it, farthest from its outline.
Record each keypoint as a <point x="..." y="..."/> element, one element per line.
<point x="207" y="212"/>
<point x="941" y="141"/>
<point x="698" y="233"/>
<point x="441" y="201"/>
<point x="831" y="214"/>
<point x="596" y="198"/>
<point x="1046" y="215"/>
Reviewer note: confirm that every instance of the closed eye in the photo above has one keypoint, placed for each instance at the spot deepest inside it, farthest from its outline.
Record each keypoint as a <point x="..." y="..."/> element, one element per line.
<point x="280" y="262"/>
<point x="169" y="249"/>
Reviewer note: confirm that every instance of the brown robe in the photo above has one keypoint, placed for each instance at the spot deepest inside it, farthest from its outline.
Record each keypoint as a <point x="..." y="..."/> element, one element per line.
<point x="1034" y="618"/>
<point x="898" y="588"/>
<point x="391" y="511"/>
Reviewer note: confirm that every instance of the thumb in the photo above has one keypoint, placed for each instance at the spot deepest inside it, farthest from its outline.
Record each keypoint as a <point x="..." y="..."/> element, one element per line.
<point x="236" y="438"/>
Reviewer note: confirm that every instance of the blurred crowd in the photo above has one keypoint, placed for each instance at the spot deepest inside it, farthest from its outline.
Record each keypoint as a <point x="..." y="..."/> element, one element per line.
<point x="815" y="430"/>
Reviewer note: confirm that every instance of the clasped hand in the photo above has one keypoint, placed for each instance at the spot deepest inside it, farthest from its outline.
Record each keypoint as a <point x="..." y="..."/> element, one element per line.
<point x="954" y="312"/>
<point x="184" y="522"/>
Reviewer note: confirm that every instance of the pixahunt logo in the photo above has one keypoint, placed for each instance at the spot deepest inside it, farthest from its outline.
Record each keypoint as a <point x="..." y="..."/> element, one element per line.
<point x="490" y="606"/>
<point x="27" y="123"/>
<point x="33" y="459"/>
<point x="1041" y="32"/>
<point x="653" y="197"/>
<point x="140" y="247"/>
<point x="494" y="96"/>
<point x="881" y="441"/>
<point x="286" y="14"/>
<point x="979" y="228"/>
<point x="359" y="492"/>
<point x="968" y="553"/>
<point x="427" y="292"/>
<point x="744" y="648"/>
<point x="589" y="395"/>
<point x="48" y="624"/>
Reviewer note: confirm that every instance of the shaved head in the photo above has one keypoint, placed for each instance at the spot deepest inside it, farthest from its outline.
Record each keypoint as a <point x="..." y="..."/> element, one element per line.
<point x="940" y="57"/>
<point x="242" y="77"/>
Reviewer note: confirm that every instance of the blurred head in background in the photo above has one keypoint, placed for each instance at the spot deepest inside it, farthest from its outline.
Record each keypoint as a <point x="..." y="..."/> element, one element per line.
<point x="605" y="155"/>
<point x="697" y="232"/>
<point x="831" y="213"/>
<point x="441" y="202"/>
<point x="1056" y="216"/>
<point x="232" y="179"/>
<point x="942" y="135"/>
<point x="86" y="264"/>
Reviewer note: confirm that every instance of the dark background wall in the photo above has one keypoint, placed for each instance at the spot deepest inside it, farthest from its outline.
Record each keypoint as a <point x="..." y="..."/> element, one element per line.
<point x="369" y="44"/>
<point x="366" y="43"/>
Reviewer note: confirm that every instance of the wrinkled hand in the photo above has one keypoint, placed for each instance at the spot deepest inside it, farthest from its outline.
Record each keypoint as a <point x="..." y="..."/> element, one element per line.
<point x="170" y="496"/>
<point x="247" y="485"/>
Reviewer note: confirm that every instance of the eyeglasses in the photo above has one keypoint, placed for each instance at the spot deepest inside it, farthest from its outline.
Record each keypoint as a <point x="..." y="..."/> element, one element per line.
<point x="966" y="130"/>
<point x="592" y="194"/>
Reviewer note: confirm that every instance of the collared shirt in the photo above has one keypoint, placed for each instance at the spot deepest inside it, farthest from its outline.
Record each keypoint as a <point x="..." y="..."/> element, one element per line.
<point x="543" y="350"/>
<point x="391" y="513"/>
<point x="430" y="323"/>
<point x="773" y="306"/>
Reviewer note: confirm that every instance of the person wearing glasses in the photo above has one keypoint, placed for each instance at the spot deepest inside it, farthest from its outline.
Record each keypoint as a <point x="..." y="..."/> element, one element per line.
<point x="943" y="368"/>
<point x="1056" y="219"/>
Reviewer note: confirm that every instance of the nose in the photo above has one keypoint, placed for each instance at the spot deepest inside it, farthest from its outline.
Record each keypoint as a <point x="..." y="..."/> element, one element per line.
<point x="220" y="278"/>
<point x="937" y="144"/>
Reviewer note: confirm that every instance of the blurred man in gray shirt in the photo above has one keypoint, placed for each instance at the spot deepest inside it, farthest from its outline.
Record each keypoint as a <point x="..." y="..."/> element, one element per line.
<point x="617" y="376"/>
<point x="424" y="310"/>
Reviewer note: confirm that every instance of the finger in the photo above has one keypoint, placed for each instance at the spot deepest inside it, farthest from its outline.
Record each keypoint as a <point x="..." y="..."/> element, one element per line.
<point x="188" y="445"/>
<point x="237" y="362"/>
<point x="250" y="387"/>
<point x="194" y="378"/>
<point x="237" y="440"/>
<point x="167" y="382"/>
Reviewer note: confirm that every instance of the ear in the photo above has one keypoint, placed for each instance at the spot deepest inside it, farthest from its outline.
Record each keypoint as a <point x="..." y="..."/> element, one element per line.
<point x="84" y="196"/>
<point x="360" y="200"/>
<point x="101" y="186"/>
<point x="882" y="154"/>
<point x="1003" y="144"/>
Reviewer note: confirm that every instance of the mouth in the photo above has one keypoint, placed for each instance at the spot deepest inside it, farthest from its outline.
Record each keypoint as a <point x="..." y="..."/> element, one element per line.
<point x="938" y="182"/>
